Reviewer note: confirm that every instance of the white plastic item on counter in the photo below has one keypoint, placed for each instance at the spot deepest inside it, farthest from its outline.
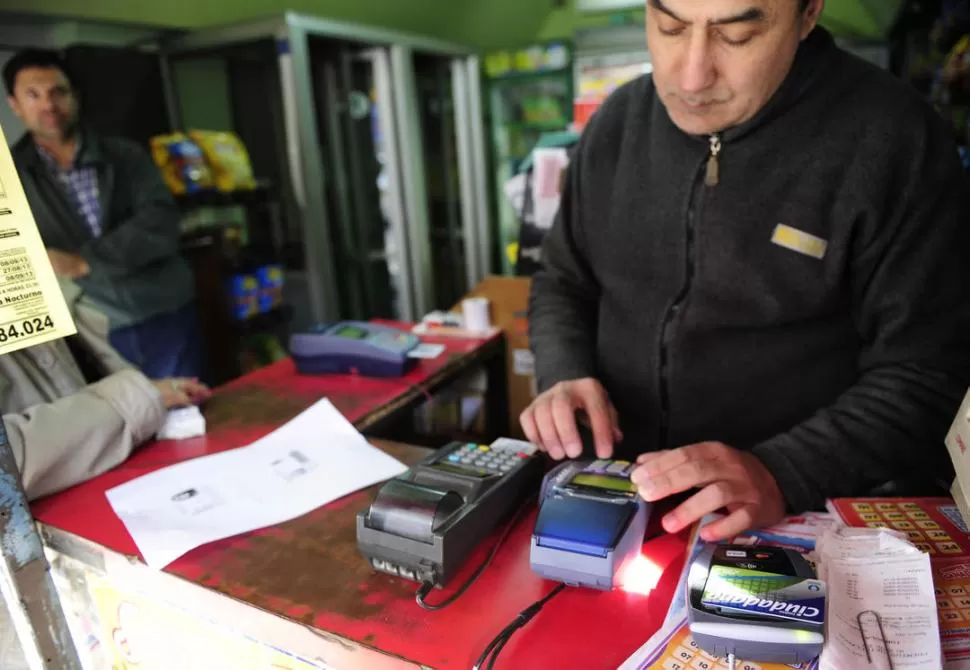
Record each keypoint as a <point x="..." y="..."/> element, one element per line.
<point x="475" y="311"/>
<point x="182" y="423"/>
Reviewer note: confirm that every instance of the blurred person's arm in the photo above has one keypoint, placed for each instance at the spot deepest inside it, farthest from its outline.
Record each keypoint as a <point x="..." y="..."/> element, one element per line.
<point x="150" y="234"/>
<point x="62" y="443"/>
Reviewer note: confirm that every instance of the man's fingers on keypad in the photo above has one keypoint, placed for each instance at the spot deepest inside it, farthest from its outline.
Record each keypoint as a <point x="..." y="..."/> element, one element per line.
<point x="528" y="422"/>
<point x="546" y="424"/>
<point x="689" y="475"/>
<point x="738" y="521"/>
<point x="708" y="500"/>
<point x="564" y="418"/>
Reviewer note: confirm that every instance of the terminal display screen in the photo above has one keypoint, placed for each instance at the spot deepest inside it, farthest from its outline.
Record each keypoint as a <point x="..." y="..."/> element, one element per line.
<point x="460" y="470"/>
<point x="599" y="482"/>
<point x="351" y="332"/>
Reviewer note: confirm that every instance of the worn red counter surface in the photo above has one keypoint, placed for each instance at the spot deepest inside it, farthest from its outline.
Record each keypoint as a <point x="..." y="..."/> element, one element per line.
<point x="308" y="570"/>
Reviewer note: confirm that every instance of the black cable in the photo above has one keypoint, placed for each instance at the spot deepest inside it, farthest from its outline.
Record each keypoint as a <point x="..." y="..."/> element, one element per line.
<point x="426" y="587"/>
<point x="498" y="650"/>
<point x="496" y="646"/>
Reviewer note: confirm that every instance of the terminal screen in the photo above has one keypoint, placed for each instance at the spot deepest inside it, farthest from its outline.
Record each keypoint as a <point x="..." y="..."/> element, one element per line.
<point x="603" y="482"/>
<point x="460" y="470"/>
<point x="351" y="333"/>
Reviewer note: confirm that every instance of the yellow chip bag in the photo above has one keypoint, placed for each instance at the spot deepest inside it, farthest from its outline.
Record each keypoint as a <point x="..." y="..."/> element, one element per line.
<point x="184" y="168"/>
<point x="228" y="158"/>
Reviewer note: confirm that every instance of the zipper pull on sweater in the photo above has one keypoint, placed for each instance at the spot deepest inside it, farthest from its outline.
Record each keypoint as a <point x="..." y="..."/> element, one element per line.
<point x="713" y="175"/>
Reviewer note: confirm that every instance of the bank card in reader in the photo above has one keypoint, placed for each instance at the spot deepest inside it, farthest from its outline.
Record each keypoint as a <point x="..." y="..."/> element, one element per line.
<point x="759" y="603"/>
<point x="591" y="523"/>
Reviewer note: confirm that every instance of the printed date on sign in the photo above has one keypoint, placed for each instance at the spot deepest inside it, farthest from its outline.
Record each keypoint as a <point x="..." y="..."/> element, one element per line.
<point x="25" y="328"/>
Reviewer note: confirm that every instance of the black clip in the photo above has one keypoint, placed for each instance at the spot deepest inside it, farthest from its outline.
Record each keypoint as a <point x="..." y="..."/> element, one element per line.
<point x="882" y="635"/>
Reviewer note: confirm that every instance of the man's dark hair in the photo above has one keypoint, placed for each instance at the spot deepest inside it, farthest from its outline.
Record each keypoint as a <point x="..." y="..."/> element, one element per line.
<point x="28" y="58"/>
<point x="803" y="5"/>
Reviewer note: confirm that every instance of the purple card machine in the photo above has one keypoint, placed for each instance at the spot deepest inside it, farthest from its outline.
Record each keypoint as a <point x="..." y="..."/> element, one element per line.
<point x="591" y="524"/>
<point x="368" y="349"/>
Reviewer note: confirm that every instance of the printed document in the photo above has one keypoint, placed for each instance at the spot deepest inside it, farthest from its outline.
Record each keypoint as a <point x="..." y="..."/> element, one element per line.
<point x="314" y="459"/>
<point x="32" y="309"/>
<point x="881" y="602"/>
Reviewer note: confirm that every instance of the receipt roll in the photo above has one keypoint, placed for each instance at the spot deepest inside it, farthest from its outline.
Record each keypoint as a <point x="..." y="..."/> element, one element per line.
<point x="410" y="510"/>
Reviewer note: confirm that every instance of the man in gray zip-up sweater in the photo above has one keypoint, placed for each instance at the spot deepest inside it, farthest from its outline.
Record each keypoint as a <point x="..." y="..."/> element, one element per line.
<point x="107" y="219"/>
<point x="757" y="282"/>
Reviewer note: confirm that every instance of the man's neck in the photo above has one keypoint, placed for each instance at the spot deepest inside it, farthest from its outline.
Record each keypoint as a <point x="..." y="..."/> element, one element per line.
<point x="62" y="149"/>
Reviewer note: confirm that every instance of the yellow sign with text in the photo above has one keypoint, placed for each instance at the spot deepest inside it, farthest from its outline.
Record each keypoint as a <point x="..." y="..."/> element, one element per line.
<point x="32" y="309"/>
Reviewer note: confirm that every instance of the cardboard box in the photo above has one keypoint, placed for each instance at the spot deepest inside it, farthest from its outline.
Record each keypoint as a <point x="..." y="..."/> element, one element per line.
<point x="509" y="305"/>
<point x="960" y="498"/>
<point x="958" y="444"/>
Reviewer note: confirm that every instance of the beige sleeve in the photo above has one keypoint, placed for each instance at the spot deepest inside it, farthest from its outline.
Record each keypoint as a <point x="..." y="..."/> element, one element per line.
<point x="63" y="443"/>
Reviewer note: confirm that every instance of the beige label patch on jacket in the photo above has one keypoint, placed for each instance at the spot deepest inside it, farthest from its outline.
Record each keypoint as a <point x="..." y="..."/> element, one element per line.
<point x="799" y="241"/>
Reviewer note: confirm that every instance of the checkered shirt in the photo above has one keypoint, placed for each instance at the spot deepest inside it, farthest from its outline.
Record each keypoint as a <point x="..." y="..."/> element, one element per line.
<point x="80" y="183"/>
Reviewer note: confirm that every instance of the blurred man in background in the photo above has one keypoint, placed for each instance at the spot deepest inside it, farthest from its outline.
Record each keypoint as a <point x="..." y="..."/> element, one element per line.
<point x="106" y="217"/>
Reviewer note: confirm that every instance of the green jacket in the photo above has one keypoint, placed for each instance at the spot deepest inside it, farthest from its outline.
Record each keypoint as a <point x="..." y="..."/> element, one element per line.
<point x="136" y="270"/>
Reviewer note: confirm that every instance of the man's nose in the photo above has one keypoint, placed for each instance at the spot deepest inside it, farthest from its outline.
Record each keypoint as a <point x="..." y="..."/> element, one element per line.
<point x="698" y="72"/>
<point x="48" y="103"/>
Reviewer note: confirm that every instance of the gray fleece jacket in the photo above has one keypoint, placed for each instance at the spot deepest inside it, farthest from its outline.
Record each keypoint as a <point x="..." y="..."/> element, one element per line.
<point x="811" y="306"/>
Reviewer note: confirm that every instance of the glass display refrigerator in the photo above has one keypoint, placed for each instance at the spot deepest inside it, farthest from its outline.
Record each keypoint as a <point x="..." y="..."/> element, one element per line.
<point x="529" y="93"/>
<point x="375" y="141"/>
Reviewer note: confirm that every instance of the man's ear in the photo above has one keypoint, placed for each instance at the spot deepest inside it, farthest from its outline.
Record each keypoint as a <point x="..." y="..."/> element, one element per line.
<point x="811" y="16"/>
<point x="12" y="101"/>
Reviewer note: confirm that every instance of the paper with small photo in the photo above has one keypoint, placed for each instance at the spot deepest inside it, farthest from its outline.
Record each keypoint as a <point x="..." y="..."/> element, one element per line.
<point x="305" y="464"/>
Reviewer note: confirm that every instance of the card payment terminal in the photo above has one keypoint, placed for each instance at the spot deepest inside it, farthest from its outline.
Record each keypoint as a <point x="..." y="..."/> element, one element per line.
<point x="368" y="349"/>
<point x="757" y="603"/>
<point x="423" y="524"/>
<point x="591" y="522"/>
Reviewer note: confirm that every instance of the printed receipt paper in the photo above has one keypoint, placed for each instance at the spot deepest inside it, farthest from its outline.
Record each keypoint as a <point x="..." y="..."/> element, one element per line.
<point x="32" y="309"/>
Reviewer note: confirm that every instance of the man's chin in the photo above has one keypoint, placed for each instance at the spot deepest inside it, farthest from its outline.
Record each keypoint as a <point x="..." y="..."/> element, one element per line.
<point x="698" y="123"/>
<point x="56" y="133"/>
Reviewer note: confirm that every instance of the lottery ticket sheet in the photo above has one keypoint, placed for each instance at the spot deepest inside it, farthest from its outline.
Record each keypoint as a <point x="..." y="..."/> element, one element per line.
<point x="673" y="648"/>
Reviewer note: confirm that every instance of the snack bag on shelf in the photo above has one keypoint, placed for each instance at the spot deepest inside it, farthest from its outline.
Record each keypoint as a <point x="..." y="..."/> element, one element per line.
<point x="183" y="165"/>
<point x="244" y="295"/>
<point x="228" y="157"/>
<point x="270" y="278"/>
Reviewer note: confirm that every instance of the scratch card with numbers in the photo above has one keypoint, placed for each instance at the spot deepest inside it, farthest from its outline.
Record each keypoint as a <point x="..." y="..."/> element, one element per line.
<point x="673" y="648"/>
<point x="32" y="309"/>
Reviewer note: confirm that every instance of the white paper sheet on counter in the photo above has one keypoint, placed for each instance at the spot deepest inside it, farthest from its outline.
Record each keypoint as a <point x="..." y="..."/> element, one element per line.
<point x="314" y="459"/>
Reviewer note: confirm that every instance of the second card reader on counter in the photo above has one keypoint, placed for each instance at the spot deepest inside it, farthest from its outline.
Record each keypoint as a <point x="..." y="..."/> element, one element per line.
<point x="369" y="349"/>
<point x="423" y="524"/>
<point x="757" y="603"/>
<point x="591" y="523"/>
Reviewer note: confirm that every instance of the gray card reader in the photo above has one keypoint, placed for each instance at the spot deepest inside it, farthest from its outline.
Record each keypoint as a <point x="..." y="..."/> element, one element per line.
<point x="756" y="603"/>
<point x="423" y="524"/>
<point x="591" y="523"/>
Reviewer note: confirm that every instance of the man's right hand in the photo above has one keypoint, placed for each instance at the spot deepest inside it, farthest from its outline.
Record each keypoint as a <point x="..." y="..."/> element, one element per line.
<point x="550" y="421"/>
<point x="68" y="265"/>
<point x="181" y="392"/>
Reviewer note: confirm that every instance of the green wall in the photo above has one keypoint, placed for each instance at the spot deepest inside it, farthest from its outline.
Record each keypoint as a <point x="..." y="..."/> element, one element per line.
<point x="489" y="24"/>
<point x="848" y="18"/>
<point x="480" y="23"/>
<point x="203" y="93"/>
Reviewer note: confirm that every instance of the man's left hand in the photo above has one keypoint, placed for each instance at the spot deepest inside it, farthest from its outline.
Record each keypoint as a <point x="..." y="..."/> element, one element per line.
<point x="727" y="478"/>
<point x="68" y="265"/>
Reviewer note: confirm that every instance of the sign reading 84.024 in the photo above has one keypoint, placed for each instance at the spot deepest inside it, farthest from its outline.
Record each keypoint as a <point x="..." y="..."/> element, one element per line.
<point x="32" y="309"/>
